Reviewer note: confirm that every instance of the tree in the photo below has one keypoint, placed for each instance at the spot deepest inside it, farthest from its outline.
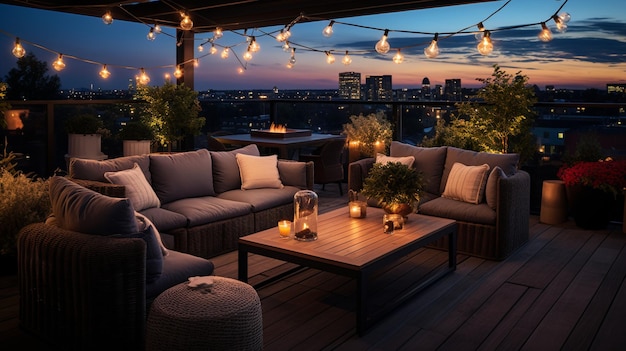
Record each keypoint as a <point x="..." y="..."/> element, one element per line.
<point x="172" y="112"/>
<point x="29" y="80"/>
<point x="500" y="121"/>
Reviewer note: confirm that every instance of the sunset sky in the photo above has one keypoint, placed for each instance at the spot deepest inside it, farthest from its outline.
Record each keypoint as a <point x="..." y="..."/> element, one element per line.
<point x="590" y="54"/>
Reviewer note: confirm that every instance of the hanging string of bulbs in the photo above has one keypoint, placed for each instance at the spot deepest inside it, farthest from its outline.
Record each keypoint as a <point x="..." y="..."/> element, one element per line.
<point x="382" y="46"/>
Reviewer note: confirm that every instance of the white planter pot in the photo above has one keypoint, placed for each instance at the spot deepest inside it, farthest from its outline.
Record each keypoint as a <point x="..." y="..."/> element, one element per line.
<point x="85" y="146"/>
<point x="136" y="147"/>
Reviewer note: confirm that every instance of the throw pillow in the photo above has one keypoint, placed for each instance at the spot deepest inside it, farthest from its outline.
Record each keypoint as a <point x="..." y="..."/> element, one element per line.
<point x="293" y="173"/>
<point x="86" y="211"/>
<point x="137" y="188"/>
<point x="466" y="183"/>
<point x="405" y="160"/>
<point x="258" y="171"/>
<point x="491" y="190"/>
<point x="225" y="169"/>
<point x="94" y="169"/>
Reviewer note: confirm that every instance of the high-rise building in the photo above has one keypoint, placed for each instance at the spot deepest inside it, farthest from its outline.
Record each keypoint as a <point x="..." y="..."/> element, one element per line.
<point x="379" y="88"/>
<point x="350" y="85"/>
<point x="426" y="89"/>
<point x="453" y="90"/>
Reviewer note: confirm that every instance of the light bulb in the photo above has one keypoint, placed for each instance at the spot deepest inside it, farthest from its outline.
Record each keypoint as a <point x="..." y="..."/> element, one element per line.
<point x="561" y="27"/>
<point x="328" y="30"/>
<point x="565" y="17"/>
<point x="254" y="46"/>
<point x="286" y="33"/>
<point x="213" y="49"/>
<point x="346" y="60"/>
<point x="398" y="57"/>
<point x="186" y="23"/>
<point x="481" y="32"/>
<point x="217" y="33"/>
<point x="330" y="58"/>
<point x="157" y="29"/>
<point x="107" y="18"/>
<point x="247" y="55"/>
<point x="289" y="65"/>
<point x="240" y="70"/>
<point x="432" y="50"/>
<point x="178" y="72"/>
<point x="18" y="49"/>
<point x="143" y="78"/>
<point x="280" y="37"/>
<point x="59" y="64"/>
<point x="200" y="48"/>
<point x="292" y="59"/>
<point x="196" y="62"/>
<point x="151" y="34"/>
<point x="382" y="46"/>
<point x="545" y="35"/>
<point x="225" y="53"/>
<point x="286" y="46"/>
<point x="104" y="72"/>
<point x="485" y="47"/>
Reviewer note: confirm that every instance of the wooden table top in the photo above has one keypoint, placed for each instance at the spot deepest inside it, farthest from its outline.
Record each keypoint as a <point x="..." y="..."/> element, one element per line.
<point x="350" y="242"/>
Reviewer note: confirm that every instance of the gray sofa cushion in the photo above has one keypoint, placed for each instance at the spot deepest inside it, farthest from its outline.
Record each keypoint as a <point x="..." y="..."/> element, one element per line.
<point x="165" y="220"/>
<point x="507" y="162"/>
<point x="225" y="169"/>
<point x="182" y="175"/>
<point x="86" y="211"/>
<point x="262" y="199"/>
<point x="177" y="268"/>
<point x="459" y="210"/>
<point x="429" y="160"/>
<point x="292" y="173"/>
<point x="94" y="170"/>
<point x="208" y="209"/>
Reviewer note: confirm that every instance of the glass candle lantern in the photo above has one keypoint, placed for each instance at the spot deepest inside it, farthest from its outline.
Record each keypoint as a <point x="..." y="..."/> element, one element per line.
<point x="305" y="215"/>
<point x="358" y="209"/>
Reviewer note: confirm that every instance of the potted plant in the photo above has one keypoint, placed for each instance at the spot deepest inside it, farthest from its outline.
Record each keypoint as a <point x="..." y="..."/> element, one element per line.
<point x="368" y="135"/>
<point x="593" y="189"/>
<point x="136" y="138"/>
<point x="84" y="132"/>
<point x="172" y="112"/>
<point x="396" y="187"/>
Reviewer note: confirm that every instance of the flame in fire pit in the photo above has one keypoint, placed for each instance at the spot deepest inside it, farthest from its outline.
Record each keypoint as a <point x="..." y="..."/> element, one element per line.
<point x="278" y="128"/>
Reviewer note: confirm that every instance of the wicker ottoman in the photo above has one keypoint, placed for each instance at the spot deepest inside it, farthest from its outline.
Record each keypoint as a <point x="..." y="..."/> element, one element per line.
<point x="228" y="317"/>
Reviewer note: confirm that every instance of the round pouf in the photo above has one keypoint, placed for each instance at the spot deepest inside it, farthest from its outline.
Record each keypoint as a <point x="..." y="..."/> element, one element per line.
<point x="225" y="317"/>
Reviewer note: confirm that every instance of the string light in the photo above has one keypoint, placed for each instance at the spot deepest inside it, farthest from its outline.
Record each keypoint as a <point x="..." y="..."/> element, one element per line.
<point x="398" y="57"/>
<point x="104" y="72"/>
<point x="200" y="48"/>
<point x="217" y="33"/>
<point x="254" y="46"/>
<point x="545" y="35"/>
<point x="247" y="55"/>
<point x="565" y="17"/>
<point x="330" y="58"/>
<point x="186" y="23"/>
<point x="18" y="50"/>
<point x="213" y="50"/>
<point x="225" y="53"/>
<point x="157" y="29"/>
<point x="485" y="47"/>
<point x="196" y="62"/>
<point x="143" y="78"/>
<point x="481" y="31"/>
<point x="107" y="18"/>
<point x="59" y="65"/>
<point x="280" y="37"/>
<point x="432" y="50"/>
<point x="346" y="60"/>
<point x="178" y="72"/>
<point x="561" y="26"/>
<point x="151" y="34"/>
<point x="292" y="59"/>
<point x="286" y="46"/>
<point x="382" y="46"/>
<point x="328" y="30"/>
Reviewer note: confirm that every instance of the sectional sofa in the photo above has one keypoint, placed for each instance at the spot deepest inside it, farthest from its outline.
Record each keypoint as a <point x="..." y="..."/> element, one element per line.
<point x="201" y="201"/>
<point x="486" y="193"/>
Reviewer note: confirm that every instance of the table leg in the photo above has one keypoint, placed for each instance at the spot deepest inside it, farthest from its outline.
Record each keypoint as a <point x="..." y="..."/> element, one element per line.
<point x="243" y="265"/>
<point x="361" y="304"/>
<point x="452" y="250"/>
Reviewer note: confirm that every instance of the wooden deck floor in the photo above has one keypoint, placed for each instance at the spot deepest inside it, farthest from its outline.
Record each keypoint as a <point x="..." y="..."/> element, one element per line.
<point x="564" y="290"/>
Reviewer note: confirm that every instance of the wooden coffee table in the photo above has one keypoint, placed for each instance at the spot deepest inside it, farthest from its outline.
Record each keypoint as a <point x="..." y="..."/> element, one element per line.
<point x="355" y="248"/>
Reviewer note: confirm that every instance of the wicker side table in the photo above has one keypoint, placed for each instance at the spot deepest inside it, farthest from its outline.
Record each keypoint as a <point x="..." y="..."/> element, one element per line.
<point x="228" y="317"/>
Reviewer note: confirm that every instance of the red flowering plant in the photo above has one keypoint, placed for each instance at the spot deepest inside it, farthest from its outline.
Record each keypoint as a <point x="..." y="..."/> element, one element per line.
<point x="607" y="175"/>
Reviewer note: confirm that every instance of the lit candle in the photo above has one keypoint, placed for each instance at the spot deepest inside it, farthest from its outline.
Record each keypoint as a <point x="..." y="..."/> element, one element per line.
<point x="355" y="211"/>
<point x="358" y="209"/>
<point x="284" y="228"/>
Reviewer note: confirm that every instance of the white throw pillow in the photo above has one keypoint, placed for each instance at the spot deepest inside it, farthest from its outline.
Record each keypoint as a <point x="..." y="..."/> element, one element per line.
<point x="258" y="171"/>
<point x="405" y="160"/>
<point x="138" y="191"/>
<point x="466" y="183"/>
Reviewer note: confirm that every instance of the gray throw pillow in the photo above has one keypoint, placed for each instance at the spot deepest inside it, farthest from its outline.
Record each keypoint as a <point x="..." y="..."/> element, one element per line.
<point x="225" y="169"/>
<point x="82" y="210"/>
<point x="94" y="170"/>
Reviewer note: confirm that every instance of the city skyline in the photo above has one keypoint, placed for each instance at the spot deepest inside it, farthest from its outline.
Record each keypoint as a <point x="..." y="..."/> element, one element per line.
<point x="590" y="54"/>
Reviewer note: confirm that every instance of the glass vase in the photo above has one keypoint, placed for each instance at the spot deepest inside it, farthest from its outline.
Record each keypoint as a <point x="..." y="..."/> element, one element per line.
<point x="305" y="205"/>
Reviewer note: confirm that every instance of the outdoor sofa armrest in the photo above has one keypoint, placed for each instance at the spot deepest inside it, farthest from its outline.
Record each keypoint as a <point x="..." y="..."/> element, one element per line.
<point x="80" y="291"/>
<point x="357" y="172"/>
<point x="513" y="211"/>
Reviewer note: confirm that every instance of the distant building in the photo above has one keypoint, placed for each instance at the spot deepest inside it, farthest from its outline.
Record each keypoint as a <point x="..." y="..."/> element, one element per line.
<point x="426" y="95"/>
<point x="378" y="88"/>
<point x="616" y="89"/>
<point x="453" y="90"/>
<point x="350" y="85"/>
